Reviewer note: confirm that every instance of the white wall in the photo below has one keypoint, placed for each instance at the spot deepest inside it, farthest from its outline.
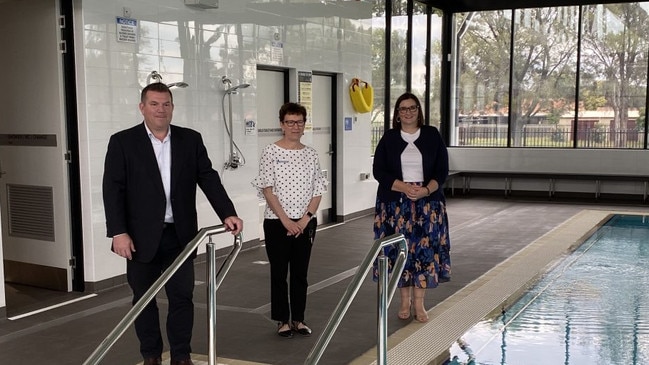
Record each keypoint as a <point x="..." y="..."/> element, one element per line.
<point x="198" y="47"/>
<point x="580" y="161"/>
<point x="584" y="161"/>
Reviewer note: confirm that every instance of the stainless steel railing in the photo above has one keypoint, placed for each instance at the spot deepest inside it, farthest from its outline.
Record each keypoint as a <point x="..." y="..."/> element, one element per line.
<point x="214" y="280"/>
<point x="385" y="293"/>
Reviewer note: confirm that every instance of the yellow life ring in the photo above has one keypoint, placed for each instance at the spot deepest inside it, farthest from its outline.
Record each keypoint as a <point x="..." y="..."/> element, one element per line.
<point x="362" y="95"/>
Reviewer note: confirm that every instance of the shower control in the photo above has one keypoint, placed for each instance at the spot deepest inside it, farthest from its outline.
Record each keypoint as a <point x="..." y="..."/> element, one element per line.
<point x="233" y="162"/>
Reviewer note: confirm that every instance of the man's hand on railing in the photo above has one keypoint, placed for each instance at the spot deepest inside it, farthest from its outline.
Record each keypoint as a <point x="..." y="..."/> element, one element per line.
<point x="233" y="224"/>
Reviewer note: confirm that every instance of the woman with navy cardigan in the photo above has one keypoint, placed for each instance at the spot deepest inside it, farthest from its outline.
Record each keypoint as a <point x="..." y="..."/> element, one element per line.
<point x="411" y="165"/>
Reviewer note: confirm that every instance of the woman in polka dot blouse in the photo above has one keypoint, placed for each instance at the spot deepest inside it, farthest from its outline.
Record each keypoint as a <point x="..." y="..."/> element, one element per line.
<point x="292" y="183"/>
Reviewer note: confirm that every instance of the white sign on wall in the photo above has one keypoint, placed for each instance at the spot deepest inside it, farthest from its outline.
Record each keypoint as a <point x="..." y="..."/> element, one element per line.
<point x="251" y="127"/>
<point x="277" y="49"/>
<point x="126" y="30"/>
<point x="305" y="95"/>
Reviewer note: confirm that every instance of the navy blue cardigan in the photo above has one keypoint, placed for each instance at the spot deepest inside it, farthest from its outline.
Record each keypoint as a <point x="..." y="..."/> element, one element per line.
<point x="387" y="161"/>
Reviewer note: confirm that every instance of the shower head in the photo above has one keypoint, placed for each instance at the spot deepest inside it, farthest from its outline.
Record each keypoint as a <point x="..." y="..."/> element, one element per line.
<point x="155" y="76"/>
<point x="178" y="84"/>
<point x="234" y="89"/>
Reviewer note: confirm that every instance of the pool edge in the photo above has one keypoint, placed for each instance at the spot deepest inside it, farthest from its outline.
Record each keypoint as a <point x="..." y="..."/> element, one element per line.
<point x="428" y="344"/>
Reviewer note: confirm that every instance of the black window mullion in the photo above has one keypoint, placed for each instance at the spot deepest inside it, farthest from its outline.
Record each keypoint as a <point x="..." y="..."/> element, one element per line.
<point x="511" y="79"/>
<point x="388" y="65"/>
<point x="409" y="10"/>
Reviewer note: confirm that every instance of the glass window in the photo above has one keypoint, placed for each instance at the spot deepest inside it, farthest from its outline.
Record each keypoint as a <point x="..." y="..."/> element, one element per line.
<point x="613" y="79"/>
<point x="548" y="61"/>
<point x="418" y="52"/>
<point x="398" y="51"/>
<point x="544" y="77"/>
<point x="377" y="117"/>
<point x="435" y="68"/>
<point x="481" y="78"/>
<point x="399" y="72"/>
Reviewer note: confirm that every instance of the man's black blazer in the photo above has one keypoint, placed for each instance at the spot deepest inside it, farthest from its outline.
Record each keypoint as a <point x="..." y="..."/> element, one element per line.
<point x="134" y="198"/>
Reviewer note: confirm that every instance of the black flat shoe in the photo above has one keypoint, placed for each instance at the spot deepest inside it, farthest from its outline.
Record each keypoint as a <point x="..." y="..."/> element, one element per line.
<point x="286" y="333"/>
<point x="304" y="330"/>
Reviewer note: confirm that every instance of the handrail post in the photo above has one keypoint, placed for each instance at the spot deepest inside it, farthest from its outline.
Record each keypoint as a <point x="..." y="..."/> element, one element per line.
<point x="382" y="327"/>
<point x="137" y="308"/>
<point x="211" y="301"/>
<point x="344" y="303"/>
<point x="214" y="280"/>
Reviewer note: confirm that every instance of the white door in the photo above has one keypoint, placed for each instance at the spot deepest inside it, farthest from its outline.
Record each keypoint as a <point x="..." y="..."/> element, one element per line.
<point x="34" y="194"/>
<point x="270" y="96"/>
<point x="321" y="138"/>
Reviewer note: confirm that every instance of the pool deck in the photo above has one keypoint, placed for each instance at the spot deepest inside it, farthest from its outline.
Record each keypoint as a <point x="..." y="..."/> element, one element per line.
<point x="498" y="246"/>
<point x="486" y="296"/>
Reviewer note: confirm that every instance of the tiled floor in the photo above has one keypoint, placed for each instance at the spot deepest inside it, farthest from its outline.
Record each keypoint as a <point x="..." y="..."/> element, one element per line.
<point x="484" y="233"/>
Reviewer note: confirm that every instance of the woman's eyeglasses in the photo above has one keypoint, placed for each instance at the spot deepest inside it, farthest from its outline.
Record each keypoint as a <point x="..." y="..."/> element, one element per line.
<point x="290" y="123"/>
<point x="405" y="109"/>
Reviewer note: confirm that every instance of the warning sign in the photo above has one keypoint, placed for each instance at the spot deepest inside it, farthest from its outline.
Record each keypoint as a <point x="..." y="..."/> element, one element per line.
<point x="126" y="30"/>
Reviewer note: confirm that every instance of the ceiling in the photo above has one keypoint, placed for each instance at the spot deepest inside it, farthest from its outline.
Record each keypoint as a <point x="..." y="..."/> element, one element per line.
<point x="459" y="6"/>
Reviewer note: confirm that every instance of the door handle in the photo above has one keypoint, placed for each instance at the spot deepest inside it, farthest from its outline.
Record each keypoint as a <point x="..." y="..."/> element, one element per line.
<point x="2" y="172"/>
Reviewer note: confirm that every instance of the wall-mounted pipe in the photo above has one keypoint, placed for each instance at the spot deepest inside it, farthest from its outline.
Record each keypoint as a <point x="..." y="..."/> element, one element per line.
<point x="233" y="159"/>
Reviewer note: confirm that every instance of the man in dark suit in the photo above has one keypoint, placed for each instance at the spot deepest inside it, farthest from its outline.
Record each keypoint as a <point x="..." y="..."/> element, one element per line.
<point x="149" y="188"/>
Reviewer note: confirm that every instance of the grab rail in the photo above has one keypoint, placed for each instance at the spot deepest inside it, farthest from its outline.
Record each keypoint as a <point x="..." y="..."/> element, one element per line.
<point x="385" y="297"/>
<point x="214" y="280"/>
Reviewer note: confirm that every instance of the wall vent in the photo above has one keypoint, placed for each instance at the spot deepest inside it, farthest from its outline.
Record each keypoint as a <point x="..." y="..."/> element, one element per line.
<point x="31" y="211"/>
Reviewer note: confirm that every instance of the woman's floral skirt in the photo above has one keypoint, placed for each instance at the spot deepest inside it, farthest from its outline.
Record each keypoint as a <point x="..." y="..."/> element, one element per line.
<point x="424" y="224"/>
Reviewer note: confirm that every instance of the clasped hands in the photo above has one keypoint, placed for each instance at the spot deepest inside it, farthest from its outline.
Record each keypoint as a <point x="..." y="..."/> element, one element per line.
<point x="415" y="192"/>
<point x="295" y="228"/>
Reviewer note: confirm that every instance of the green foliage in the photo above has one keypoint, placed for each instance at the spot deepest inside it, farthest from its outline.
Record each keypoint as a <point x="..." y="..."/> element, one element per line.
<point x="591" y="99"/>
<point x="641" y="120"/>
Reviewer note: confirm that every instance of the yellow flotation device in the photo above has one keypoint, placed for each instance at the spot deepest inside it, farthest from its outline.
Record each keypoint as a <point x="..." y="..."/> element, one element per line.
<point x="362" y="95"/>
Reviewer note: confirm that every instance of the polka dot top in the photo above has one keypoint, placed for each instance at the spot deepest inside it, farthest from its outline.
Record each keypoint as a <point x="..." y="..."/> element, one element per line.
<point x="295" y="176"/>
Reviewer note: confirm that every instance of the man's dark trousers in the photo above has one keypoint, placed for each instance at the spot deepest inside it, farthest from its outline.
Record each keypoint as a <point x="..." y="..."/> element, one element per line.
<point x="179" y="290"/>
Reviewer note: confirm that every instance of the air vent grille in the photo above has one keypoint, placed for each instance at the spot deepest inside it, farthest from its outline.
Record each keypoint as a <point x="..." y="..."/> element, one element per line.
<point x="31" y="211"/>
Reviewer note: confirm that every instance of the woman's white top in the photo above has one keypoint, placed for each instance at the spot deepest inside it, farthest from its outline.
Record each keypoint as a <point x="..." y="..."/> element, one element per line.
<point x="411" y="165"/>
<point x="295" y="176"/>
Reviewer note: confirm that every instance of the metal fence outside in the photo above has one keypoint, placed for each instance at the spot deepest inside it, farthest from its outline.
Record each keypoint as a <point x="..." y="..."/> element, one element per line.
<point x="552" y="136"/>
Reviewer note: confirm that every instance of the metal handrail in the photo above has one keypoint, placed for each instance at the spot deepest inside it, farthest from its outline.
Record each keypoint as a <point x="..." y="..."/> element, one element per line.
<point x="214" y="281"/>
<point x="385" y="297"/>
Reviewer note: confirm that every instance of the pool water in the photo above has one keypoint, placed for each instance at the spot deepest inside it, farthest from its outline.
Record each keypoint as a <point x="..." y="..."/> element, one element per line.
<point x="590" y="308"/>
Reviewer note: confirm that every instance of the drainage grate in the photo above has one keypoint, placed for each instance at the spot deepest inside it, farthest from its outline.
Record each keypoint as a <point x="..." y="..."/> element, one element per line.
<point x="31" y="211"/>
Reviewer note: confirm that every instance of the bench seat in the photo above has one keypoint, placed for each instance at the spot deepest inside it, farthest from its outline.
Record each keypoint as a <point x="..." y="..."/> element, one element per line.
<point x="551" y="177"/>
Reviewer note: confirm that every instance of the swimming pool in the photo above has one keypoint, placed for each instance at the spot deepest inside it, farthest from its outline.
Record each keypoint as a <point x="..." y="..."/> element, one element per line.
<point x="590" y="308"/>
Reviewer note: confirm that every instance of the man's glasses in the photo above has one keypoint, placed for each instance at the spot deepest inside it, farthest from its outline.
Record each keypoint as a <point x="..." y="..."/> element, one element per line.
<point x="290" y="123"/>
<point x="405" y="109"/>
